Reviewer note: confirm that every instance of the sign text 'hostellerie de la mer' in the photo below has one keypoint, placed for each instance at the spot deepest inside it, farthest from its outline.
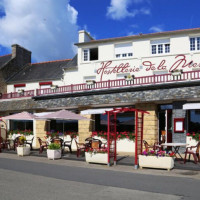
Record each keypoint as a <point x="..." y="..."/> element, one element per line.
<point x="180" y="62"/>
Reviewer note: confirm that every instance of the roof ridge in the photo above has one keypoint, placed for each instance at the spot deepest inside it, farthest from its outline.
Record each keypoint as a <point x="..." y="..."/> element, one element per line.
<point x="140" y="34"/>
<point x="51" y="61"/>
<point x="6" y="55"/>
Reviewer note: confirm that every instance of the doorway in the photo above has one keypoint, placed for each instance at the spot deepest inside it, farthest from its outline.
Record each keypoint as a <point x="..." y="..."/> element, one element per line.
<point x="165" y="124"/>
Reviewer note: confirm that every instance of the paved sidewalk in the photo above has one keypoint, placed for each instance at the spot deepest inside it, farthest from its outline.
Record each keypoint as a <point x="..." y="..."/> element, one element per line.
<point x="121" y="168"/>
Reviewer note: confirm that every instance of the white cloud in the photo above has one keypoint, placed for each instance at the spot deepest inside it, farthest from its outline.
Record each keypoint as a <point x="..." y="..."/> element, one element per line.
<point x="118" y="9"/>
<point x="158" y="28"/>
<point x="47" y="28"/>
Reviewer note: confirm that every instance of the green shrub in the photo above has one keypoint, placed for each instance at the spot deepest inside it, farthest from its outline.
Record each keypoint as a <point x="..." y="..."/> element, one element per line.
<point x="54" y="146"/>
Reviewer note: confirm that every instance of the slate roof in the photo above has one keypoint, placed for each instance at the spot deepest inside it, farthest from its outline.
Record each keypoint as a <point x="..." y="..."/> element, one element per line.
<point x="72" y="64"/>
<point x="4" y="60"/>
<point x="52" y="70"/>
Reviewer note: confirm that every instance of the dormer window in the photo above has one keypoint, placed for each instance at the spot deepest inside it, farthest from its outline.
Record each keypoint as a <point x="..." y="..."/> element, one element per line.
<point x="123" y="50"/>
<point x="90" y="54"/>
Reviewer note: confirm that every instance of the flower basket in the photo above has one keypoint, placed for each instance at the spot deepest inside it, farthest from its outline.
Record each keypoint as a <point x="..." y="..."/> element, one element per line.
<point x="53" y="87"/>
<point x="23" y="151"/>
<point x="176" y="72"/>
<point x="90" y="82"/>
<point x="156" y="162"/>
<point x="129" y="77"/>
<point x="101" y="158"/>
<point x="20" y="91"/>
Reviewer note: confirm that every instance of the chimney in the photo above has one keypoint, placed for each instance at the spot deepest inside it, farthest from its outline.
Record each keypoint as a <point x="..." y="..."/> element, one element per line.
<point x="21" y="55"/>
<point x="84" y="36"/>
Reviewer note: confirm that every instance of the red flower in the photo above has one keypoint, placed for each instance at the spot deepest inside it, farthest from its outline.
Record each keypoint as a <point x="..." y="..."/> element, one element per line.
<point x="193" y="134"/>
<point x="188" y="134"/>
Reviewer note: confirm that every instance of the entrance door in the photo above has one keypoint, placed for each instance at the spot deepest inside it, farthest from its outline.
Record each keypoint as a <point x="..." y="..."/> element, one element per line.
<point x="168" y="126"/>
<point x="165" y="126"/>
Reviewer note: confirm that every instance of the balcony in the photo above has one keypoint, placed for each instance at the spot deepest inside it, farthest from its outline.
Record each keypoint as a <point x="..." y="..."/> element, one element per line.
<point x="121" y="83"/>
<point x="12" y="95"/>
<point x="109" y="84"/>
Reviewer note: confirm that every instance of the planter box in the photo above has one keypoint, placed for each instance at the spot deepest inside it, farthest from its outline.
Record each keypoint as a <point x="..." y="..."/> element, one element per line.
<point x="53" y="154"/>
<point x="23" y="151"/>
<point x="101" y="158"/>
<point x="178" y="73"/>
<point x="156" y="162"/>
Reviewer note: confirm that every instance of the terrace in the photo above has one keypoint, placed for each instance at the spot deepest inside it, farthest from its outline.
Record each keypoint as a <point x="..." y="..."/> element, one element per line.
<point x="172" y="77"/>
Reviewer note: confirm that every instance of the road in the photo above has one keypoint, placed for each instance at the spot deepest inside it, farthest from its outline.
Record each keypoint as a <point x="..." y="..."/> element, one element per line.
<point x="22" y="180"/>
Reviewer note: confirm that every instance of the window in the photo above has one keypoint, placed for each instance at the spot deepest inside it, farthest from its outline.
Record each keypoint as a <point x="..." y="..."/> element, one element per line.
<point x="90" y="54"/>
<point x="194" y="43"/>
<point x="85" y="54"/>
<point x="21" y="125"/>
<point x="123" y="50"/>
<point x="160" y="46"/>
<point x="193" y="121"/>
<point x="167" y="48"/>
<point x="153" y="49"/>
<point x="19" y="87"/>
<point x="63" y="125"/>
<point x="125" y="122"/>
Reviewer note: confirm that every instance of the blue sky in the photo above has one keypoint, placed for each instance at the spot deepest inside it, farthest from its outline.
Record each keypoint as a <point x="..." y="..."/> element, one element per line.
<point x="49" y="28"/>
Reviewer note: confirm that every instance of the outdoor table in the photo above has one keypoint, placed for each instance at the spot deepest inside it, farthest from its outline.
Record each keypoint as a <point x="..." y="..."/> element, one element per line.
<point x="176" y="147"/>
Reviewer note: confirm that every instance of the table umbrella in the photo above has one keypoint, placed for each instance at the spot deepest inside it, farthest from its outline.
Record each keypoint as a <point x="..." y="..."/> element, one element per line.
<point x="63" y="115"/>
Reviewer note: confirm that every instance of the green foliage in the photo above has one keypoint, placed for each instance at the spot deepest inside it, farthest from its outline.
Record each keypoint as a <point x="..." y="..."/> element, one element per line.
<point x="22" y="139"/>
<point x="54" y="146"/>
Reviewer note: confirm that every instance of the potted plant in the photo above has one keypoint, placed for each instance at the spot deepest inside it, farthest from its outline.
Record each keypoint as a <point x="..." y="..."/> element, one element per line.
<point x="176" y="72"/>
<point x="90" y="82"/>
<point x="21" y="91"/>
<point x="97" y="155"/>
<point x="54" y="151"/>
<point x="157" y="159"/>
<point x="22" y="149"/>
<point x="129" y="77"/>
<point x="53" y="87"/>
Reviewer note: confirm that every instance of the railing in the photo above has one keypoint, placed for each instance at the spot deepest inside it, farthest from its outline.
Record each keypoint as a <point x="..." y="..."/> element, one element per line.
<point x="119" y="83"/>
<point x="28" y="93"/>
<point x="145" y="80"/>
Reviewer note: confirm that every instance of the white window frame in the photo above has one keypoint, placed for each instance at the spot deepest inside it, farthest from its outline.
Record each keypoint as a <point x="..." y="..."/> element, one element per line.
<point x="158" y="47"/>
<point x="123" y="53"/>
<point x="195" y="46"/>
<point x="88" y="55"/>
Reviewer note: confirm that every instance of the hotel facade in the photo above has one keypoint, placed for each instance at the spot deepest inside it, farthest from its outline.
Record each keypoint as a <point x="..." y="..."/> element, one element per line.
<point x="158" y="73"/>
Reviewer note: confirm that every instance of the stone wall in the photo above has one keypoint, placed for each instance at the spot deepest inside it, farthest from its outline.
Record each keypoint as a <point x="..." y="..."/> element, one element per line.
<point x="178" y="112"/>
<point x="41" y="127"/>
<point x="150" y="127"/>
<point x="116" y="97"/>
<point x="85" y="128"/>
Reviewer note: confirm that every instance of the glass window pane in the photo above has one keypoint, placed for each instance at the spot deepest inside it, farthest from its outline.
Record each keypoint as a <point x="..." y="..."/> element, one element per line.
<point x="194" y="121"/>
<point x="198" y="43"/>
<point x="85" y="55"/>
<point x="167" y="48"/>
<point x="192" y="44"/>
<point x="160" y="48"/>
<point x="153" y="49"/>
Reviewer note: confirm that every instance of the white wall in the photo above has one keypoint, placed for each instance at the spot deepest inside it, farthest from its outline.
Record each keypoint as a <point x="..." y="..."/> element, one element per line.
<point x="179" y="44"/>
<point x="33" y="85"/>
